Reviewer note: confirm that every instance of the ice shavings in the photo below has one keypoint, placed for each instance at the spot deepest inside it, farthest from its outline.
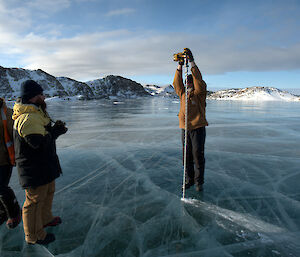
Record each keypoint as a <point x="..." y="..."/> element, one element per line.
<point x="244" y="220"/>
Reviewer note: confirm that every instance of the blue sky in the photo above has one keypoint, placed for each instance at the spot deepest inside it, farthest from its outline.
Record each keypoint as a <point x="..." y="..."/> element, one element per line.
<point x="235" y="43"/>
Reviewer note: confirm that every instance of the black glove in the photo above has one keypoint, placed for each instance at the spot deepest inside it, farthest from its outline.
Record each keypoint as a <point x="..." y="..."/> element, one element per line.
<point x="189" y="54"/>
<point x="57" y="129"/>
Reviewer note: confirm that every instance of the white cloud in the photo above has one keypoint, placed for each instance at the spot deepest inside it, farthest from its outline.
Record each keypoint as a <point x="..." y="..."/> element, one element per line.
<point x="12" y="23"/>
<point x="18" y="17"/>
<point x="119" y="12"/>
<point x="13" y="20"/>
<point x="48" y="6"/>
<point x="84" y="1"/>
<point x="128" y="54"/>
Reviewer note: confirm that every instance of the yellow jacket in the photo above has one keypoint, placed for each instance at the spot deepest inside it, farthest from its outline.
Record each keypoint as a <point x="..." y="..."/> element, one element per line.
<point x="30" y="119"/>
<point x="35" y="148"/>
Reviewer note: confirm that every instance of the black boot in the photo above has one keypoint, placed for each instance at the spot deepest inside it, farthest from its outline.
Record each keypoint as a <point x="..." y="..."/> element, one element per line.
<point x="3" y="218"/>
<point x="48" y="239"/>
<point x="199" y="188"/>
<point x="11" y="207"/>
<point x="13" y="222"/>
<point x="188" y="185"/>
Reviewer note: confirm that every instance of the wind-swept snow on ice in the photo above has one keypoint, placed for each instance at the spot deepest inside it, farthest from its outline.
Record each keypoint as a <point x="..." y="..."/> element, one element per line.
<point x="120" y="194"/>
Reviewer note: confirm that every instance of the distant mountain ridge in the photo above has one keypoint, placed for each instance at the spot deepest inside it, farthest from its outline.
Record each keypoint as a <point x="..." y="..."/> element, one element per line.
<point x="119" y="87"/>
<point x="110" y="86"/>
<point x="254" y="94"/>
<point x="235" y="94"/>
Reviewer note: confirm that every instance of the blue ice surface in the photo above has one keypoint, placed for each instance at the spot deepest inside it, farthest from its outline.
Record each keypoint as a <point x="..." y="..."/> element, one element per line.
<point x="120" y="194"/>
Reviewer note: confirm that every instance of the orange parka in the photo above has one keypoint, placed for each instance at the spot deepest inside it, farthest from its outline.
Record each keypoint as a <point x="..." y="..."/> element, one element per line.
<point x="4" y="156"/>
<point x="196" y="100"/>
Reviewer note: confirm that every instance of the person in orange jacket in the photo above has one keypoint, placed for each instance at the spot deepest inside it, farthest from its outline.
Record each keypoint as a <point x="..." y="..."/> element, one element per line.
<point x="196" y="121"/>
<point x="9" y="208"/>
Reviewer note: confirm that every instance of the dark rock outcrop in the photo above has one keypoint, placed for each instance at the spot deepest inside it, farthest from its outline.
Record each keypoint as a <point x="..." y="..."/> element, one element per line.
<point x="12" y="78"/>
<point x="74" y="87"/>
<point x="110" y="86"/>
<point x="117" y="86"/>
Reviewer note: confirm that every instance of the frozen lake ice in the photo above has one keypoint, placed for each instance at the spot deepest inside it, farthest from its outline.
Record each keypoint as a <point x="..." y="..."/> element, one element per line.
<point x="120" y="194"/>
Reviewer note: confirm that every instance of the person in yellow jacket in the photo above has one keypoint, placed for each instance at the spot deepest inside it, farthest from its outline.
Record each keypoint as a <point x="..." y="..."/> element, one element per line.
<point x="37" y="162"/>
<point x="9" y="208"/>
<point x="196" y="121"/>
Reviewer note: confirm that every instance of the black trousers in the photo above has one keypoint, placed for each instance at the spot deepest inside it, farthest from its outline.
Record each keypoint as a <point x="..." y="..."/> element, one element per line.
<point x="9" y="207"/>
<point x="195" y="155"/>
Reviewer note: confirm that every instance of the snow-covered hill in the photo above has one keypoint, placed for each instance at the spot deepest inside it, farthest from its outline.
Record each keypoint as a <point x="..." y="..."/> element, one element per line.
<point x="12" y="78"/>
<point x="76" y="88"/>
<point x="241" y="94"/>
<point x="116" y="86"/>
<point x="254" y="94"/>
<point x="164" y="91"/>
<point x="110" y="86"/>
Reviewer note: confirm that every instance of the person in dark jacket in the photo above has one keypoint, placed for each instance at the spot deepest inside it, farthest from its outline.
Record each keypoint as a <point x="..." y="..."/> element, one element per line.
<point x="9" y="208"/>
<point x="196" y="121"/>
<point x="37" y="162"/>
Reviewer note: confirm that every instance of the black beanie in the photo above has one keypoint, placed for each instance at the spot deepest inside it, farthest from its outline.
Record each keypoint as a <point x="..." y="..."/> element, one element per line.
<point x="29" y="89"/>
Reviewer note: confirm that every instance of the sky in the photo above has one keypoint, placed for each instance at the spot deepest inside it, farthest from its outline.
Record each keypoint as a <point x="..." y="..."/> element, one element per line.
<point x="235" y="43"/>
